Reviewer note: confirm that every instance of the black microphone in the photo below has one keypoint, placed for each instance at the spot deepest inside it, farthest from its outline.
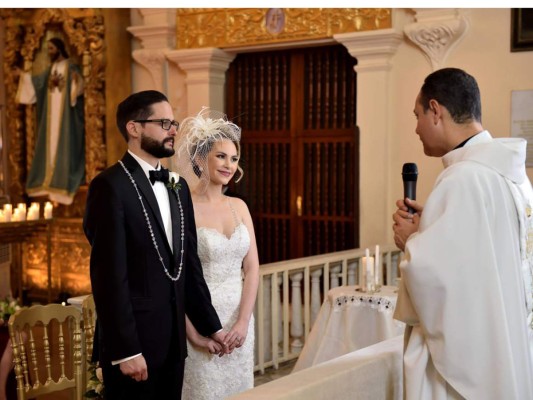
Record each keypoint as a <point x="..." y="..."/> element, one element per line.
<point x="409" y="175"/>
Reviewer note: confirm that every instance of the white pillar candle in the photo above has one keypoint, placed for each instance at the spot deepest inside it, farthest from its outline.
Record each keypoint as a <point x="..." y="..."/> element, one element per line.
<point x="48" y="210"/>
<point x="8" y="212"/>
<point x="362" y="270"/>
<point x="370" y="274"/>
<point x="37" y="207"/>
<point x="22" y="211"/>
<point x="2" y="217"/>
<point x="378" y="269"/>
<point x="33" y="212"/>
<point x="368" y="268"/>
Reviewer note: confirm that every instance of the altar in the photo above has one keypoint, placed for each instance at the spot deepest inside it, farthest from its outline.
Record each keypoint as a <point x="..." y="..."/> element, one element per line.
<point x="19" y="232"/>
<point x="350" y="320"/>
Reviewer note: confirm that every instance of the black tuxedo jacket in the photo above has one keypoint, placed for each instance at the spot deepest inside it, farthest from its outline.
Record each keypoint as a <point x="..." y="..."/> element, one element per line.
<point x="138" y="307"/>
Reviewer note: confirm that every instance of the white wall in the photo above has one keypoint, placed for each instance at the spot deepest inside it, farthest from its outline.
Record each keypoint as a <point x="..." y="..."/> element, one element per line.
<point x="484" y="53"/>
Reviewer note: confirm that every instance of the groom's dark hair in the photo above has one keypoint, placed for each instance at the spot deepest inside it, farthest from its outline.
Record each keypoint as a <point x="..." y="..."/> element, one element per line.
<point x="137" y="106"/>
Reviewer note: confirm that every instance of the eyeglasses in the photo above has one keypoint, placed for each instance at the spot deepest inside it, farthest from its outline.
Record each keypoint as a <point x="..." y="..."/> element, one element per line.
<point x="166" y="124"/>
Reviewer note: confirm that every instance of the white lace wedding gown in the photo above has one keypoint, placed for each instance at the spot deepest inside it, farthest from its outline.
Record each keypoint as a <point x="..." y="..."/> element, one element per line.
<point x="210" y="376"/>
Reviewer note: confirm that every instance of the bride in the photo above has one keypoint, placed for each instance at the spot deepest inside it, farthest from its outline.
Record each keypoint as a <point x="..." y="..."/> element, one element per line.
<point x="208" y="158"/>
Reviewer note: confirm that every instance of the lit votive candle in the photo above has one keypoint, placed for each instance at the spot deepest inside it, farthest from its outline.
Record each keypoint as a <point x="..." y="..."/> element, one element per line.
<point x="22" y="211"/>
<point x="16" y="215"/>
<point x="8" y="212"/>
<point x="33" y="212"/>
<point x="37" y="208"/>
<point x="48" y="207"/>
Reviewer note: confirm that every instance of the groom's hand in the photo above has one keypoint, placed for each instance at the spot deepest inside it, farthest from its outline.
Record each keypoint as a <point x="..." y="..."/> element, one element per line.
<point x="221" y="337"/>
<point x="135" y="368"/>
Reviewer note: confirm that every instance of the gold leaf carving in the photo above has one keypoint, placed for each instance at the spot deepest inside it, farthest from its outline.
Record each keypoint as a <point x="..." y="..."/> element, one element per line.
<point x="16" y="155"/>
<point x="70" y="259"/>
<point x="230" y="27"/>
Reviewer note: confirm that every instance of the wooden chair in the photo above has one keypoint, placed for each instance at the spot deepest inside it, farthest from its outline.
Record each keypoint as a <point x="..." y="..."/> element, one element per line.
<point x="46" y="344"/>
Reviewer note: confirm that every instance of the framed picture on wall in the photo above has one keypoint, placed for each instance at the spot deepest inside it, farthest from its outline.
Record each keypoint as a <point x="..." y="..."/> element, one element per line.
<point x="521" y="29"/>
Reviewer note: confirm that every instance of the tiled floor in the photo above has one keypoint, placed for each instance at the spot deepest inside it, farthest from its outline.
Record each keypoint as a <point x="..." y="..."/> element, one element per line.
<point x="271" y="373"/>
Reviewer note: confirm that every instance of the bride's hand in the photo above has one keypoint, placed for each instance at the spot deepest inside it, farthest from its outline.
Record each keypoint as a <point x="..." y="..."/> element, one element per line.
<point x="237" y="335"/>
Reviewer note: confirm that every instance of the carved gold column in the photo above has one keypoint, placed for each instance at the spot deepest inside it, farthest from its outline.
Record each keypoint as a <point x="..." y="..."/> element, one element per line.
<point x="16" y="168"/>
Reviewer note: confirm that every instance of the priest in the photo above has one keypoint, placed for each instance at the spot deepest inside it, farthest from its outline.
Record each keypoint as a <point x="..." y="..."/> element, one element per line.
<point x="466" y="287"/>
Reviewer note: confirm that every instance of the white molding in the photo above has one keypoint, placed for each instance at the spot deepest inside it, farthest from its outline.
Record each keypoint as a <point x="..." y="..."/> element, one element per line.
<point x="297" y="44"/>
<point x="158" y="16"/>
<point x="154" y="36"/>
<point x="204" y="65"/>
<point x="436" y="32"/>
<point x="205" y="70"/>
<point x="372" y="49"/>
<point x="154" y="61"/>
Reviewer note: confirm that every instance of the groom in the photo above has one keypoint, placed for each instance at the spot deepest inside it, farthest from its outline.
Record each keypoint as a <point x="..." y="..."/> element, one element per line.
<point x="145" y="271"/>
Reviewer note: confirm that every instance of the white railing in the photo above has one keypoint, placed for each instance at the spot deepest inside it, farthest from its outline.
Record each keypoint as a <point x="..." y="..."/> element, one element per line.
<point x="282" y="320"/>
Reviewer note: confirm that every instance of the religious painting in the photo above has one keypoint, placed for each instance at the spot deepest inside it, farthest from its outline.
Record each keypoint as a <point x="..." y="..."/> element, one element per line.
<point x="53" y="81"/>
<point x="54" y="51"/>
<point x="521" y="29"/>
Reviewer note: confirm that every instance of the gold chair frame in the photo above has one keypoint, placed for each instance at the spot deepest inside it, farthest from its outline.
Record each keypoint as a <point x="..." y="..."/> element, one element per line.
<point x="89" y="321"/>
<point x="25" y="327"/>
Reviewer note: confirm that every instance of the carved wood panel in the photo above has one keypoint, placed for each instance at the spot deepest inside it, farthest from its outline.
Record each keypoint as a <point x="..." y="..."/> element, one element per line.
<point x="297" y="109"/>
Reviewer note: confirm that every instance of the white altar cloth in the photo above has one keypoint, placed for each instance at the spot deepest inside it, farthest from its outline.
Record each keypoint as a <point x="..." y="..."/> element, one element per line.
<point x="350" y="320"/>
<point x="372" y="373"/>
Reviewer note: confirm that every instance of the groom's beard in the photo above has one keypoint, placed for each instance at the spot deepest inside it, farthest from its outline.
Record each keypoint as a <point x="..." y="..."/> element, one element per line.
<point x="155" y="148"/>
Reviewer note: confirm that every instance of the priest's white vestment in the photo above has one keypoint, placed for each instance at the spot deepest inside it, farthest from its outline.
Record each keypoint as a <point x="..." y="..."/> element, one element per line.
<point x="466" y="290"/>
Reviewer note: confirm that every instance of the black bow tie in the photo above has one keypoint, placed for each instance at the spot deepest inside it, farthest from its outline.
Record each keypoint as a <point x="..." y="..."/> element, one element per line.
<point x="161" y="175"/>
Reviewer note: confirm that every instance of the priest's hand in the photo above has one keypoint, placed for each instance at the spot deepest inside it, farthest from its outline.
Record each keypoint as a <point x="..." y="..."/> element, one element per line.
<point x="402" y="208"/>
<point x="405" y="223"/>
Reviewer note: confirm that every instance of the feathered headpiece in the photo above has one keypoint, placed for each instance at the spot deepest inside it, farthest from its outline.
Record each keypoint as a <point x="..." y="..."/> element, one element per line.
<point x="196" y="137"/>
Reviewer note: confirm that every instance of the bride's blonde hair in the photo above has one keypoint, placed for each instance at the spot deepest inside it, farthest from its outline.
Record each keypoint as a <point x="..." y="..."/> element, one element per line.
<point x="196" y="137"/>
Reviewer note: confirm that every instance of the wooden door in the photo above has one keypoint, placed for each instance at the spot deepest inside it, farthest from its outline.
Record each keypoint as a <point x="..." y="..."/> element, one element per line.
<point x="299" y="149"/>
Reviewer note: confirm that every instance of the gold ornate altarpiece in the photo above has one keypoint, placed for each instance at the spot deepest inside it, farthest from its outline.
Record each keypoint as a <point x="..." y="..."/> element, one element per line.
<point x="84" y="31"/>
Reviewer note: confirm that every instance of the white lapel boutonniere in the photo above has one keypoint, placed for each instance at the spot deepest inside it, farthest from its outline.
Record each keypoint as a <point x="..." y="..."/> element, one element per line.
<point x="173" y="179"/>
